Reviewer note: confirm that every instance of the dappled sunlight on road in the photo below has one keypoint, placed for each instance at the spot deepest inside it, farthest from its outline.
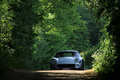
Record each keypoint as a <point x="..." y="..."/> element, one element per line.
<point x="52" y="75"/>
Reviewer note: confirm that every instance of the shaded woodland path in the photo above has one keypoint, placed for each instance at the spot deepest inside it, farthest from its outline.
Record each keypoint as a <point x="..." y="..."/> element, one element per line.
<point x="51" y="75"/>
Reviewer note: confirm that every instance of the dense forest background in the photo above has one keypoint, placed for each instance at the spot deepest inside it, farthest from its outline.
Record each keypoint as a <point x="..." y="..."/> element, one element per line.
<point x="32" y="31"/>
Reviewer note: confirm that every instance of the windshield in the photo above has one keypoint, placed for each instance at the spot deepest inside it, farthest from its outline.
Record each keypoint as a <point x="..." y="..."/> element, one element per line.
<point x="66" y="54"/>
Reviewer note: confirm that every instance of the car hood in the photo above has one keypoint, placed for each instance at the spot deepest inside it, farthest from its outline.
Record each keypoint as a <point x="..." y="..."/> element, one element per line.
<point x="65" y="60"/>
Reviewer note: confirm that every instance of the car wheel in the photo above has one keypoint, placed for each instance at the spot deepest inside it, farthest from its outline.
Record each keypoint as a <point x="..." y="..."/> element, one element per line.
<point x="82" y="68"/>
<point x="82" y="65"/>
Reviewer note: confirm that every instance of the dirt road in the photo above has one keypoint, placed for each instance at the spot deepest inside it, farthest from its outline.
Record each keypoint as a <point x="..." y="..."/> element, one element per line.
<point x="51" y="75"/>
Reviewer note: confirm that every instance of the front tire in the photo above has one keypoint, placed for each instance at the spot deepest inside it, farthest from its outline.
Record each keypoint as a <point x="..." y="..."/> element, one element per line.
<point x="82" y="68"/>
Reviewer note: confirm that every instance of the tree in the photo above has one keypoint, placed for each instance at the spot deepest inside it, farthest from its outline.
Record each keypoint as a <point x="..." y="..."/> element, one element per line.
<point x="6" y="50"/>
<point x="80" y="39"/>
<point x="93" y="27"/>
<point x="60" y="23"/>
<point x="94" y="30"/>
<point x="16" y="22"/>
<point x="111" y="43"/>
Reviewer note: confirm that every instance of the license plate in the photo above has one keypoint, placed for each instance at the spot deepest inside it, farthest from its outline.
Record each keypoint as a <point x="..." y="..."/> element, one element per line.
<point x="66" y="68"/>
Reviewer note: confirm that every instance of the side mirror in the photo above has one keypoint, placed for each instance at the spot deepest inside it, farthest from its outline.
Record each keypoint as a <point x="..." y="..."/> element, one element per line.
<point x="81" y="55"/>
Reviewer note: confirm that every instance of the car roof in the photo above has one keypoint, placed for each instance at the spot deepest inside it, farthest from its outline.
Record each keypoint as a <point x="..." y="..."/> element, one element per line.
<point x="68" y="51"/>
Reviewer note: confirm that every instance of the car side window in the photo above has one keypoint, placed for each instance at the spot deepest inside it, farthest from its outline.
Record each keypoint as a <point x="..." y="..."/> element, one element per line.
<point x="76" y="55"/>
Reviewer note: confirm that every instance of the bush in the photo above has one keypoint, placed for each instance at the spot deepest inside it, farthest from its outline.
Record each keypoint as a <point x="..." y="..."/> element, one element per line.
<point x="88" y="58"/>
<point x="104" y="57"/>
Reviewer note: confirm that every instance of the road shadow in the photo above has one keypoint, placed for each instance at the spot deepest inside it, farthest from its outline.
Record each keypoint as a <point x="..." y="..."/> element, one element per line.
<point x="50" y="75"/>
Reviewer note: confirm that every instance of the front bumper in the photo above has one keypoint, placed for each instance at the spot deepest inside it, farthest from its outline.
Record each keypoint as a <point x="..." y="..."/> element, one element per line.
<point x="62" y="66"/>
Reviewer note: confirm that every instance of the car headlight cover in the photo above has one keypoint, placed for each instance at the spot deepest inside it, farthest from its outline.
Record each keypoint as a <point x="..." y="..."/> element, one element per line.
<point x="76" y="60"/>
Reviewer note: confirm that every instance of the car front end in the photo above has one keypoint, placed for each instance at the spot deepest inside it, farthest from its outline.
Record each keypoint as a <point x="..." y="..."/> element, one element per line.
<point x="67" y="62"/>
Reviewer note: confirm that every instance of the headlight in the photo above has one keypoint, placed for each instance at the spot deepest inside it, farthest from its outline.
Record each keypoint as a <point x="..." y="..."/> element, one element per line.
<point x="76" y="60"/>
<point x="53" y="61"/>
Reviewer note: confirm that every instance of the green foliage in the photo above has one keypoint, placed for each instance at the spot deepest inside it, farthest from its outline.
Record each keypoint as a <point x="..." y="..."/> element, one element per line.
<point x="108" y="63"/>
<point x="93" y="27"/>
<point x="104" y="58"/>
<point x="60" y="29"/>
<point x="88" y="56"/>
<point x="80" y="39"/>
<point x="16" y="34"/>
<point x="6" y="51"/>
<point x="33" y="31"/>
<point x="93" y="30"/>
<point x="22" y="32"/>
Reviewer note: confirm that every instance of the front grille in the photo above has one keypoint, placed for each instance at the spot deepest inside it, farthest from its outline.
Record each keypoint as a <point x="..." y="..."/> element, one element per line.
<point x="66" y="65"/>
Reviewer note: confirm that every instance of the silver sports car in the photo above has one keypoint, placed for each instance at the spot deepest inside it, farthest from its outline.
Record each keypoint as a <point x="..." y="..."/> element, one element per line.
<point x="67" y="60"/>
